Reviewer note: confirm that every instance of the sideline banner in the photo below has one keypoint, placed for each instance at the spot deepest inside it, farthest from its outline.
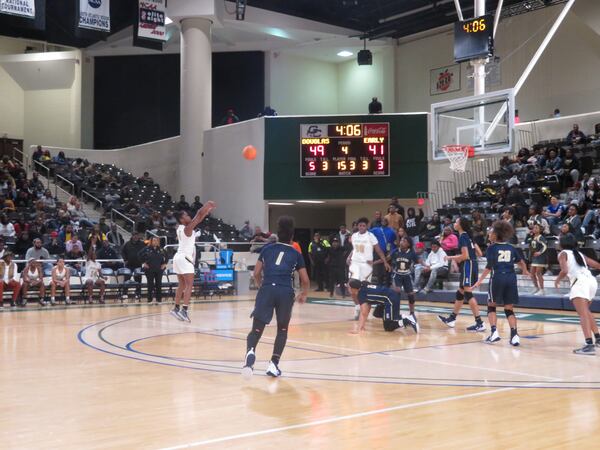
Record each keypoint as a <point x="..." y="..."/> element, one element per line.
<point x="151" y="19"/>
<point x="23" y="8"/>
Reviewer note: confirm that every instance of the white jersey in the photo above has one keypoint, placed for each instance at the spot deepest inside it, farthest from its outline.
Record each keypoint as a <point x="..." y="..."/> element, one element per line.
<point x="574" y="270"/>
<point x="187" y="244"/>
<point x="362" y="247"/>
<point x="61" y="275"/>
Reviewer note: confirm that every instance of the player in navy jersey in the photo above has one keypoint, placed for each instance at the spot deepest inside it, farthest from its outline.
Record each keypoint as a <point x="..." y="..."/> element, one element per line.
<point x="467" y="260"/>
<point x="501" y="259"/>
<point x="403" y="260"/>
<point x="387" y="306"/>
<point x="274" y="273"/>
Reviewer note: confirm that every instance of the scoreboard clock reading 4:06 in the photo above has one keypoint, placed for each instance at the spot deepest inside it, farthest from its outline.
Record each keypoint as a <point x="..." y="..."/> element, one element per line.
<point x="345" y="150"/>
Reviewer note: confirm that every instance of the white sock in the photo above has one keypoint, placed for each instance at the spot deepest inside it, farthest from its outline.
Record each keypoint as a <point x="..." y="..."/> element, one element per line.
<point x="68" y="298"/>
<point x="52" y="299"/>
<point x="357" y="307"/>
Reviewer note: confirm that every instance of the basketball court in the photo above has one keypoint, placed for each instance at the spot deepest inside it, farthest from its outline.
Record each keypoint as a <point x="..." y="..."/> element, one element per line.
<point x="134" y="377"/>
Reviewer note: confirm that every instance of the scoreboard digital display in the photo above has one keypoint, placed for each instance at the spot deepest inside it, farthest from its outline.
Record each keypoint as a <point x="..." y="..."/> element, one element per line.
<point x="474" y="38"/>
<point x="345" y="150"/>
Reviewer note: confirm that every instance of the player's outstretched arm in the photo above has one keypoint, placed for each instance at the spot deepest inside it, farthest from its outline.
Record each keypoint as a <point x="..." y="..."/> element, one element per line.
<point x="208" y="207"/>
<point x="304" y="285"/>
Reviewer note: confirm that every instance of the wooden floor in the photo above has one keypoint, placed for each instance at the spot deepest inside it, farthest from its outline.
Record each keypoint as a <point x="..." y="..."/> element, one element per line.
<point x="134" y="377"/>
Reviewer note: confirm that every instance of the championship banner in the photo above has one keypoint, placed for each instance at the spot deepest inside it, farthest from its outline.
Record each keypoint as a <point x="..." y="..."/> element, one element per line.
<point x="151" y="19"/>
<point x="23" y="8"/>
<point x="444" y="79"/>
<point x="94" y="14"/>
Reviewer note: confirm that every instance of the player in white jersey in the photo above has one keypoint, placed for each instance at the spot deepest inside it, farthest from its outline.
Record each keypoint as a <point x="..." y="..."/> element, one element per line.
<point x="184" y="259"/>
<point x="575" y="265"/>
<point x="364" y="243"/>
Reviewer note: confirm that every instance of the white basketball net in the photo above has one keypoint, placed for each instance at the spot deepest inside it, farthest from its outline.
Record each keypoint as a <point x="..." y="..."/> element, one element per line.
<point x="458" y="156"/>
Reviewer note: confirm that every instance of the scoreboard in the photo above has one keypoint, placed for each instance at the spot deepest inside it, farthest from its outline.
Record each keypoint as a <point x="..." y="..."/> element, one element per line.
<point x="345" y="150"/>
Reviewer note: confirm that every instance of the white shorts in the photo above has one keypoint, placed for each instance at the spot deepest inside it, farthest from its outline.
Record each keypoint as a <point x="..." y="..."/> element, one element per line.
<point x="182" y="264"/>
<point x="584" y="287"/>
<point x="360" y="271"/>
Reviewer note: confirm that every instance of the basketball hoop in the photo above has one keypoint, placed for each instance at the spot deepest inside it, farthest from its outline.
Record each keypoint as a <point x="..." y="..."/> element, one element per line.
<point x="458" y="156"/>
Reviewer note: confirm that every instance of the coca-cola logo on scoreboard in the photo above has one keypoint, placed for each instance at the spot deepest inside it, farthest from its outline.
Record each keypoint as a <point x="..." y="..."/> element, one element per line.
<point x="376" y="129"/>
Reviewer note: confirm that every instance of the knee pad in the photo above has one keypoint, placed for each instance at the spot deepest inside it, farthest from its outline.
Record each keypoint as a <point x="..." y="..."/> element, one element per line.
<point x="378" y="311"/>
<point x="509" y="312"/>
<point x="491" y="309"/>
<point x="468" y="296"/>
<point x="460" y="296"/>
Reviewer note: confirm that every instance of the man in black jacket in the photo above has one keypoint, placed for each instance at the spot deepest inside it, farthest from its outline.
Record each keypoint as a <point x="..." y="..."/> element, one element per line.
<point x="107" y="252"/>
<point x="130" y="253"/>
<point x="154" y="263"/>
<point x="336" y="264"/>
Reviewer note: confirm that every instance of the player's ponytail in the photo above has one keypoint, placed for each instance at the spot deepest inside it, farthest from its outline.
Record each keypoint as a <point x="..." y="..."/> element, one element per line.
<point x="569" y="242"/>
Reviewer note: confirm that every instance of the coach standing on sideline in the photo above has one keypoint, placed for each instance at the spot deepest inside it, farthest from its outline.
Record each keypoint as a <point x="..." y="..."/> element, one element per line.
<point x="154" y="263"/>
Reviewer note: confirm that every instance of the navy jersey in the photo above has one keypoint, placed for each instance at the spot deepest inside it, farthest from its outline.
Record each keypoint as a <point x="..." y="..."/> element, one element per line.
<point x="403" y="261"/>
<point x="279" y="263"/>
<point x="501" y="257"/>
<point x="375" y="293"/>
<point x="465" y="241"/>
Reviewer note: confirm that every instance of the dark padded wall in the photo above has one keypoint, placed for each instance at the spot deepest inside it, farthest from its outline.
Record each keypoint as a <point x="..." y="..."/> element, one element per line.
<point x="136" y="98"/>
<point x="408" y="161"/>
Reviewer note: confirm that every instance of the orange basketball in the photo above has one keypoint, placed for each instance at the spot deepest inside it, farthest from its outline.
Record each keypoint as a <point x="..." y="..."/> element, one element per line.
<point x="249" y="152"/>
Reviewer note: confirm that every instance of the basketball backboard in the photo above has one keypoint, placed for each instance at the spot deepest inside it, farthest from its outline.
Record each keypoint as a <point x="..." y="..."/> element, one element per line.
<point x="484" y="122"/>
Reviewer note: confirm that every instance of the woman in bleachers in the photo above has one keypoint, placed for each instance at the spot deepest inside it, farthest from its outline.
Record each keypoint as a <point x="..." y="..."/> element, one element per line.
<point x="93" y="277"/>
<point x="33" y="277"/>
<point x="7" y="229"/>
<point x="61" y="278"/>
<point x="478" y="228"/>
<point x="8" y="278"/>
<point x="571" y="167"/>
<point x="48" y="201"/>
<point x="449" y="241"/>
<point x="573" y="219"/>
<point x="553" y="211"/>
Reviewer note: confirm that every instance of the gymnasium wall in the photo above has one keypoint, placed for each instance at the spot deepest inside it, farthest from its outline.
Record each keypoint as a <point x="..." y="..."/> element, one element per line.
<point x="47" y="116"/>
<point x="408" y="161"/>
<point x="563" y="78"/>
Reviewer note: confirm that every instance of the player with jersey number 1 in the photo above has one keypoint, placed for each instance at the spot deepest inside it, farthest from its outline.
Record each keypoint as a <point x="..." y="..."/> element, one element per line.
<point x="364" y="243"/>
<point x="501" y="259"/>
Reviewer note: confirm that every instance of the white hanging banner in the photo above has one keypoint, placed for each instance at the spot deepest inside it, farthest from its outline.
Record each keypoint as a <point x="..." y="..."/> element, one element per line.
<point x="23" y="8"/>
<point x="151" y="19"/>
<point x="94" y="14"/>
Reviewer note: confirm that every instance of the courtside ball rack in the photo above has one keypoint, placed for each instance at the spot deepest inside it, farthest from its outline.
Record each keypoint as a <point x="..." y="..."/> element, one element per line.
<point x="458" y="155"/>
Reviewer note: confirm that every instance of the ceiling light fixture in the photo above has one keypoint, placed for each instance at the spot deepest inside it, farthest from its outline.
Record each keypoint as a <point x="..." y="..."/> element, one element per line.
<point x="310" y="201"/>
<point x="280" y="204"/>
<point x="345" y="53"/>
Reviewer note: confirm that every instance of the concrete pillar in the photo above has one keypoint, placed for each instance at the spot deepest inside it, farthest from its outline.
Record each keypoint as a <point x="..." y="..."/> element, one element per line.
<point x="196" y="101"/>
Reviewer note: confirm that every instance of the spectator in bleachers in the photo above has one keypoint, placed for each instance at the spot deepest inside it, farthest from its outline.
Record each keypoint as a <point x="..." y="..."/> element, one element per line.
<point x="146" y="179"/>
<point x="182" y="204"/>
<point x="2" y="248"/>
<point x="433" y="228"/>
<point x="76" y="253"/>
<point x="22" y="243"/>
<point x="9" y="274"/>
<point x="386" y="238"/>
<point x="523" y="156"/>
<point x="154" y="263"/>
<point x="103" y="227"/>
<point x="412" y="223"/>
<point x="93" y="278"/>
<point x="478" y="228"/>
<point x="60" y="158"/>
<point x="435" y="266"/>
<point x="33" y="277"/>
<point x="131" y="255"/>
<point x="336" y="267"/>
<point x="245" y="231"/>
<point x="229" y="118"/>
<point x="576" y="136"/>
<point x="375" y="106"/>
<point x="97" y="232"/>
<point x="66" y="233"/>
<point x="55" y="246"/>
<point x="155" y="222"/>
<point x="535" y="216"/>
<point x="573" y="219"/>
<point x="170" y="221"/>
<point x="48" y="200"/>
<point x="571" y="166"/>
<point x="418" y="267"/>
<point x="6" y="204"/>
<point x="554" y="165"/>
<point x="7" y="229"/>
<point x="46" y="157"/>
<point x="74" y="242"/>
<point x="23" y="200"/>
<point x="196" y="205"/>
<point x="377" y="219"/>
<point x="449" y="241"/>
<point x="114" y="237"/>
<point x="398" y="206"/>
<point x="258" y="237"/>
<point x="401" y="233"/>
<point x="395" y="220"/>
<point x="38" y="252"/>
<point x="61" y="278"/>
<point x="317" y="251"/>
<point x="106" y="251"/>
<point x="38" y="153"/>
<point x="553" y="211"/>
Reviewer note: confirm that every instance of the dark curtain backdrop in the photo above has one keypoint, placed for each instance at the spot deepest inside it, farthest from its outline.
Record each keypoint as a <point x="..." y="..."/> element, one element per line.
<point x="136" y="98"/>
